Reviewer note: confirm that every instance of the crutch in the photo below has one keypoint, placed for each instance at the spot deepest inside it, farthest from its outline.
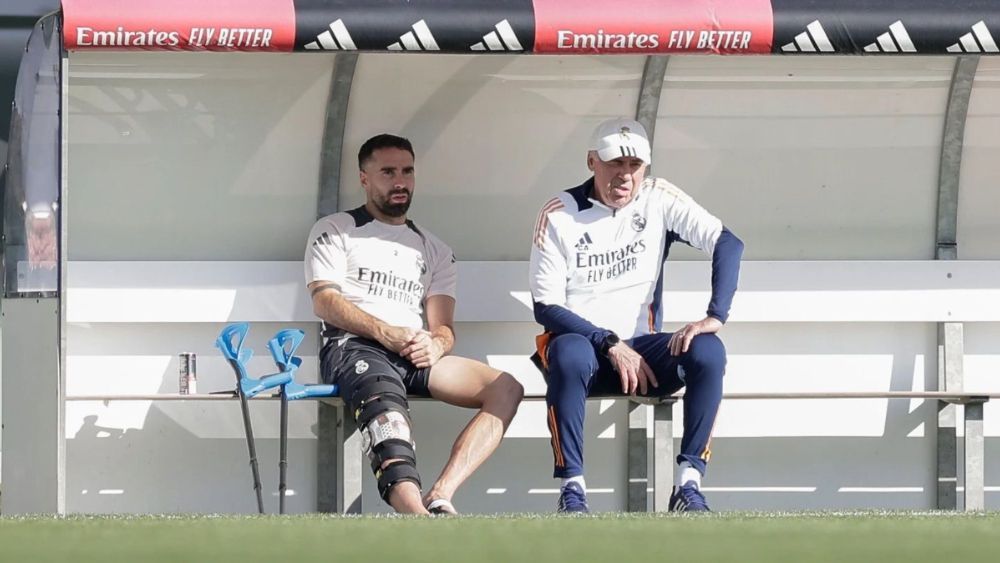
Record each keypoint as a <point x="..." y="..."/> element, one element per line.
<point x="283" y="347"/>
<point x="230" y="342"/>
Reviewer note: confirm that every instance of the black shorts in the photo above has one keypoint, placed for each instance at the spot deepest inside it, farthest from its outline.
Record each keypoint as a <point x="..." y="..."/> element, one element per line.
<point x="350" y="363"/>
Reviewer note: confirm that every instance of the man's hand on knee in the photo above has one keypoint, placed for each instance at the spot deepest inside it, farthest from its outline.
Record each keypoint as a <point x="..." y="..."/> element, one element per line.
<point x="680" y="341"/>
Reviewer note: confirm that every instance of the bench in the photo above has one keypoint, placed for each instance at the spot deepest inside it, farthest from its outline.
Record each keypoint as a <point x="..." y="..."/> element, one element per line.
<point x="773" y="292"/>
<point x="342" y="492"/>
<point x="344" y="466"/>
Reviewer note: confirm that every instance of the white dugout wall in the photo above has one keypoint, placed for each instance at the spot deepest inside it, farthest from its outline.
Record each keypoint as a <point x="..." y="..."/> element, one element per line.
<point x="829" y="158"/>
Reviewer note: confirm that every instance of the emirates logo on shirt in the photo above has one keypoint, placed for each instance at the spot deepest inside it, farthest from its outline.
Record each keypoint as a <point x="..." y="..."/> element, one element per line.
<point x="611" y="264"/>
<point x="392" y="286"/>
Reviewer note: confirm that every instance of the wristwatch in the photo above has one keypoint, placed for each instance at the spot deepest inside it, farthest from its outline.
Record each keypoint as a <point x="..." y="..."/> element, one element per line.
<point x="609" y="342"/>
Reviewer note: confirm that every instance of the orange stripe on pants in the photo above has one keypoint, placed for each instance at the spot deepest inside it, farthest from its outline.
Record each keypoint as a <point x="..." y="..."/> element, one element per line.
<point x="556" y="446"/>
<point x="706" y="454"/>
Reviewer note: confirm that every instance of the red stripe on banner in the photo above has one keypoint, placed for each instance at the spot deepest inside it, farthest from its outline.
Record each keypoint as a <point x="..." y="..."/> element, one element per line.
<point x="179" y="25"/>
<point x="653" y="26"/>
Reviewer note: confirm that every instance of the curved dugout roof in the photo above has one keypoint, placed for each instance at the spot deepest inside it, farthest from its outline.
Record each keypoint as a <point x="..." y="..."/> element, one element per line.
<point x="729" y="27"/>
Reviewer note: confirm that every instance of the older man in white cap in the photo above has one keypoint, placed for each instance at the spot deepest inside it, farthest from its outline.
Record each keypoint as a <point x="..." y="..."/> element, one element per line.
<point x="597" y="281"/>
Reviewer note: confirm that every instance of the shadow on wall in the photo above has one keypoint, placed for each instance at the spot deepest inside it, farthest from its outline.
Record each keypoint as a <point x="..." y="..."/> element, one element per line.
<point x="126" y="456"/>
<point x="164" y="468"/>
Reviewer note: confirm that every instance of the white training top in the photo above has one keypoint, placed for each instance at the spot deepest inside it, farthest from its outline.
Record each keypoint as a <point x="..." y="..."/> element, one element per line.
<point x="388" y="271"/>
<point x="606" y="265"/>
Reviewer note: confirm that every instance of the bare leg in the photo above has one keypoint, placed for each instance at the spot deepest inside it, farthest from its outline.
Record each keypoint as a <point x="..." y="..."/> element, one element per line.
<point x="405" y="498"/>
<point x="468" y="383"/>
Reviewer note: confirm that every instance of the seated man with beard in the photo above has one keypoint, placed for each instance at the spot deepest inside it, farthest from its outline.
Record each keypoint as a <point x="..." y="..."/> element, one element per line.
<point x="374" y="275"/>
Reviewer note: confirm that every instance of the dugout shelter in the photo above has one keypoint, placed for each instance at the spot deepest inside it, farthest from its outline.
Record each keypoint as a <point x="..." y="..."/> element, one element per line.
<point x="168" y="158"/>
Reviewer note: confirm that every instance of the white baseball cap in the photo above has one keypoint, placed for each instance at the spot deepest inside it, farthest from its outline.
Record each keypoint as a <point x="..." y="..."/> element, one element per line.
<point x="620" y="137"/>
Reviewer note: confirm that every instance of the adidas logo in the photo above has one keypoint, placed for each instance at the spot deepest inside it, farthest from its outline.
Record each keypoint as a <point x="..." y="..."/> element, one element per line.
<point x="584" y="243"/>
<point x="323" y="240"/>
<point x="335" y="39"/>
<point x="420" y="39"/>
<point x="811" y="40"/>
<point x="492" y="40"/>
<point x="979" y="40"/>
<point x="893" y="41"/>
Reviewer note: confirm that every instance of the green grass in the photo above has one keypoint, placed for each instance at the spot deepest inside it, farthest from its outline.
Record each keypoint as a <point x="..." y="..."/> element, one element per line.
<point x="738" y="537"/>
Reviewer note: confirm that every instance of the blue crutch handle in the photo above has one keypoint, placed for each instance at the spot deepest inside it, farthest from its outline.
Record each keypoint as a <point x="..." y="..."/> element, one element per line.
<point x="245" y="356"/>
<point x="230" y="340"/>
<point x="295" y="390"/>
<point x="283" y="347"/>
<point x="251" y="387"/>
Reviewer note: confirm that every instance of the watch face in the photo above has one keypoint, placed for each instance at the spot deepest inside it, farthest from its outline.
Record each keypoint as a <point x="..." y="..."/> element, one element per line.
<point x="611" y="340"/>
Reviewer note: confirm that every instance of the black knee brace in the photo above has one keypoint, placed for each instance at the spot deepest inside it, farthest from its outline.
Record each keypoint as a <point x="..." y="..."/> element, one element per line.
<point x="383" y="417"/>
<point x="394" y="474"/>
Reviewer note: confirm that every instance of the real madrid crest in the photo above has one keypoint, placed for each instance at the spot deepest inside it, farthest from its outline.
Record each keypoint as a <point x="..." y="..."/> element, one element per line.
<point x="638" y="222"/>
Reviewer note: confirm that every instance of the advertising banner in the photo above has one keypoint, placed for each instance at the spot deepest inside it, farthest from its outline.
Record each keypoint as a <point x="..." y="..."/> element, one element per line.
<point x="453" y="26"/>
<point x="886" y="26"/>
<point x="723" y="27"/>
<point x="179" y="25"/>
<point x="653" y="26"/>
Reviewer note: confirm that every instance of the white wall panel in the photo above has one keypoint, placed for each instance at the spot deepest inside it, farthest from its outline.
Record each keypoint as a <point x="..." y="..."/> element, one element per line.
<point x="779" y="291"/>
<point x="205" y="291"/>
<point x="819" y="158"/>
<point x="123" y="359"/>
<point x="194" y="156"/>
<point x="495" y="136"/>
<point x="978" y="198"/>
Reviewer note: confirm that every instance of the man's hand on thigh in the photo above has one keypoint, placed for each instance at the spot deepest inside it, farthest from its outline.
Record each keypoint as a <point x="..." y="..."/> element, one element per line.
<point x="635" y="373"/>
<point x="395" y="338"/>
<point x="423" y="350"/>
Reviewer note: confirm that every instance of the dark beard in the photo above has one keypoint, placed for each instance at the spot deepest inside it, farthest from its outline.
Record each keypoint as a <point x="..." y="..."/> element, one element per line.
<point x="394" y="209"/>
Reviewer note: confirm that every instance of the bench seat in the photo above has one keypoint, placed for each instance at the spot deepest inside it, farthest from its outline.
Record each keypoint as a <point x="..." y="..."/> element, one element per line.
<point x="342" y="466"/>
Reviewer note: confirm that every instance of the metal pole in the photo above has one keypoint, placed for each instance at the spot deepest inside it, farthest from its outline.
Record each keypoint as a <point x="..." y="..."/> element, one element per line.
<point x="333" y="472"/>
<point x="638" y="458"/>
<point x="663" y="452"/>
<point x="648" y="105"/>
<point x="946" y="248"/>
<point x="283" y="456"/>
<point x="248" y="430"/>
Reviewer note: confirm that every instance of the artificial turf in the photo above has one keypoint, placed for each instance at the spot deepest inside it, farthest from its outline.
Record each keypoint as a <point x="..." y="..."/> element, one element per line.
<point x="738" y="537"/>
